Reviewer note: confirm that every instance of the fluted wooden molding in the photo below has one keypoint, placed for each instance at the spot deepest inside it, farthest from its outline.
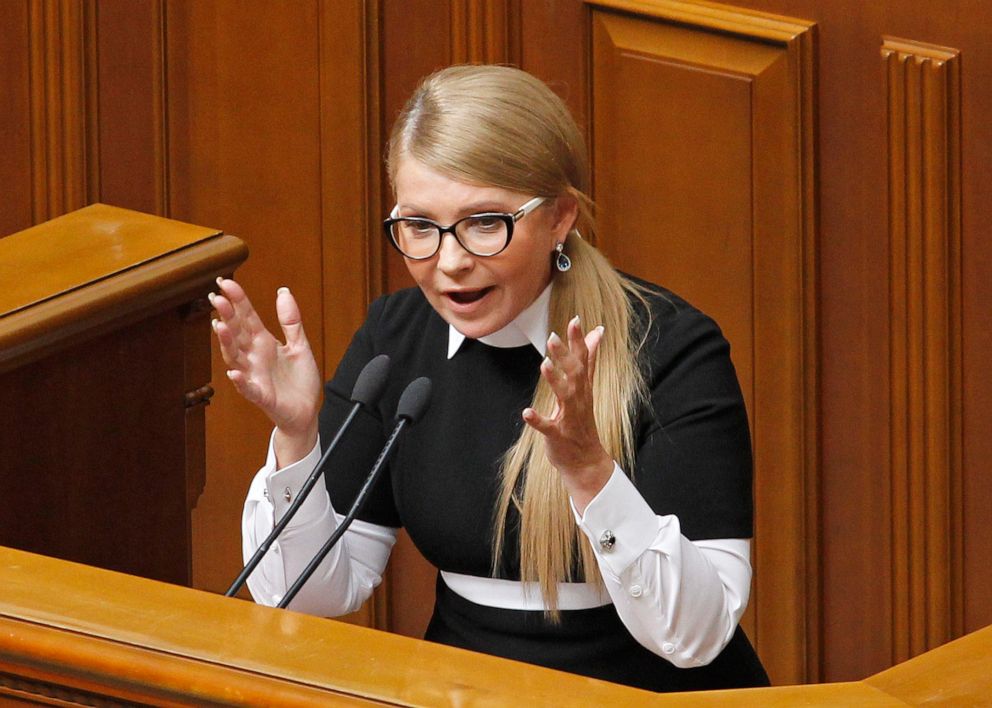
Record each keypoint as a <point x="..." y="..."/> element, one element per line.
<point x="59" y="62"/>
<point x="923" y="89"/>
<point x="485" y="31"/>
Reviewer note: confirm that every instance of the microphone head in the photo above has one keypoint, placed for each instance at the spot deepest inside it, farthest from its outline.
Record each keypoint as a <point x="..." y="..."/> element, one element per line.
<point x="371" y="381"/>
<point x="415" y="399"/>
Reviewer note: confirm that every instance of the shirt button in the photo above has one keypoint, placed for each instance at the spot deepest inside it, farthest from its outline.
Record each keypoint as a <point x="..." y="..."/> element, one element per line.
<point x="636" y="591"/>
<point x="607" y="540"/>
<point x="287" y="494"/>
<point x="265" y="492"/>
<point x="668" y="648"/>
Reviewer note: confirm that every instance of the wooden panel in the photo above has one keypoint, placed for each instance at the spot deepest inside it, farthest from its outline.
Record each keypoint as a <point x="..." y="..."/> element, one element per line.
<point x="243" y="127"/>
<point x="485" y="31"/>
<point x="77" y="635"/>
<point x="58" y="106"/>
<point x="16" y="211"/>
<point x="703" y="177"/>
<point x="129" y="113"/>
<point x="925" y="250"/>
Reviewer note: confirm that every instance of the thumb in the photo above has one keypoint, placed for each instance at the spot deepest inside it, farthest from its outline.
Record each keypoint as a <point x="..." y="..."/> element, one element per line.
<point x="290" y="320"/>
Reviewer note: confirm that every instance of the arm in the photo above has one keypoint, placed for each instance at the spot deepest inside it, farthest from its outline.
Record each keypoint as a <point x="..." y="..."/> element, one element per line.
<point x="679" y="598"/>
<point x="346" y="577"/>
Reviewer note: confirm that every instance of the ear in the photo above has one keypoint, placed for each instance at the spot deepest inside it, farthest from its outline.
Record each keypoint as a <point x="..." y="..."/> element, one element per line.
<point x="566" y="213"/>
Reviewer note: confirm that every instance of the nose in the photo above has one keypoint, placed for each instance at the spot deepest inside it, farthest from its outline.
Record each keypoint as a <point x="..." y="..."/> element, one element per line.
<point x="452" y="257"/>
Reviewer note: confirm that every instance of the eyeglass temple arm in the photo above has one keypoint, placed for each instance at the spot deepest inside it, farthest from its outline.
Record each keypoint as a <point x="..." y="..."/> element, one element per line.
<point x="529" y="207"/>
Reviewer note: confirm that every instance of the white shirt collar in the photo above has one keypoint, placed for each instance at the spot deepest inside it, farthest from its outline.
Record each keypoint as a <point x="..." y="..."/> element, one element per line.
<point x="529" y="327"/>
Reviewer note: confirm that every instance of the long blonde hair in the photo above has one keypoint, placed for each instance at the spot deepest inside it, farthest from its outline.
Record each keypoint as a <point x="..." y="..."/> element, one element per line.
<point x="499" y="126"/>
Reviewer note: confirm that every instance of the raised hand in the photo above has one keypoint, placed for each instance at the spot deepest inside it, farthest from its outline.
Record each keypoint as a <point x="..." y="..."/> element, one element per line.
<point x="570" y="433"/>
<point x="281" y="379"/>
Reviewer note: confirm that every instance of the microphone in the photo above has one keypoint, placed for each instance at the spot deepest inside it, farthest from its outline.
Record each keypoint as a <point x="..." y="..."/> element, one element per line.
<point x="413" y="403"/>
<point x="368" y="388"/>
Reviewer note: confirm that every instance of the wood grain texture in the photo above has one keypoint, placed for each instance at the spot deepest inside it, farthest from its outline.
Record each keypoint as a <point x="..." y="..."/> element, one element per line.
<point x="114" y="338"/>
<point x="58" y="106"/>
<point x="79" y="633"/>
<point x="703" y="156"/>
<point x="485" y="31"/>
<point x="130" y="106"/>
<point x="16" y="202"/>
<point x="925" y="249"/>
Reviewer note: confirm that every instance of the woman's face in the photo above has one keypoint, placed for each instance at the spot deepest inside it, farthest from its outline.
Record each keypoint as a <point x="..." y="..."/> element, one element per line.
<point x="480" y="295"/>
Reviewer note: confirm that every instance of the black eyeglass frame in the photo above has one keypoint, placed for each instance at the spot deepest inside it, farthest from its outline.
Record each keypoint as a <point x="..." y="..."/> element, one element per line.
<point x="508" y="219"/>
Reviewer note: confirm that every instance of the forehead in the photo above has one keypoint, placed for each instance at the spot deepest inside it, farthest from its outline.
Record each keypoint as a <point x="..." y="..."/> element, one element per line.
<point x="420" y="186"/>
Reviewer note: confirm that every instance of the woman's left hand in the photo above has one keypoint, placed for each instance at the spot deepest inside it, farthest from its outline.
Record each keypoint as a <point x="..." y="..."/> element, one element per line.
<point x="571" y="437"/>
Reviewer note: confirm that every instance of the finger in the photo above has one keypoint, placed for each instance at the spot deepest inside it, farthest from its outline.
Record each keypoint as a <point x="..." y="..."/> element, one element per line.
<point x="288" y="312"/>
<point x="545" y="426"/>
<point x="592" y="341"/>
<point x="559" y="381"/>
<point x="229" y="349"/>
<point x="576" y="339"/>
<point x="250" y="320"/>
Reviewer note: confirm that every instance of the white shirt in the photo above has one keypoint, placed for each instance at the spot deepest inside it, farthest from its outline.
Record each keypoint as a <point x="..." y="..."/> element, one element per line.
<point x="680" y="599"/>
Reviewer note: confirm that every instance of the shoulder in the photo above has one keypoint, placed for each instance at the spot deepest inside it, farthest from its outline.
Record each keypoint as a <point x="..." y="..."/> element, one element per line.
<point x="667" y="325"/>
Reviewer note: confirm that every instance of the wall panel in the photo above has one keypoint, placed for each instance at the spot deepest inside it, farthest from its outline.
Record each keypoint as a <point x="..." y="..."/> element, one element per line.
<point x="703" y="177"/>
<point x="16" y="205"/>
<point x="924" y="230"/>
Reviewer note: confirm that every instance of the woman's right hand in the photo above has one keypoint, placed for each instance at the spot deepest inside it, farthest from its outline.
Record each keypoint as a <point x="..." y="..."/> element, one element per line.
<point x="281" y="379"/>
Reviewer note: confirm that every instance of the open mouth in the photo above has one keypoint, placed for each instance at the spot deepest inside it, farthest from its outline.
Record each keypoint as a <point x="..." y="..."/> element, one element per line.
<point x="467" y="297"/>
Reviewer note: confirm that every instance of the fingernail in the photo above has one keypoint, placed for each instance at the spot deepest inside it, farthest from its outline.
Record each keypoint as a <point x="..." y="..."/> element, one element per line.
<point x="601" y="329"/>
<point x="230" y="374"/>
<point x="575" y="320"/>
<point x="213" y="325"/>
<point x="211" y="297"/>
<point x="554" y="338"/>
<point x="283" y="290"/>
<point x="546" y="362"/>
<point x="220" y="279"/>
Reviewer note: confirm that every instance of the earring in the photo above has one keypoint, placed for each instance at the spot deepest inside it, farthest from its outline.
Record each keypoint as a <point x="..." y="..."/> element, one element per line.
<point x="562" y="262"/>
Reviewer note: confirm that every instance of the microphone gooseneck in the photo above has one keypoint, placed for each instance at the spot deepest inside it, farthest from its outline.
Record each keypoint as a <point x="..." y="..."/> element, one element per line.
<point x="369" y="385"/>
<point x="413" y="403"/>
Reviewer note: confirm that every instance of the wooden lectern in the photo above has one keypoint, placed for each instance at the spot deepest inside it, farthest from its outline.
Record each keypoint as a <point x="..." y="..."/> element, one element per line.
<point x="72" y="635"/>
<point x="104" y="375"/>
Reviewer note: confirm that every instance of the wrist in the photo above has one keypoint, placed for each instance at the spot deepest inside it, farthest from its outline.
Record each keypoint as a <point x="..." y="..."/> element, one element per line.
<point x="584" y="482"/>
<point x="291" y="446"/>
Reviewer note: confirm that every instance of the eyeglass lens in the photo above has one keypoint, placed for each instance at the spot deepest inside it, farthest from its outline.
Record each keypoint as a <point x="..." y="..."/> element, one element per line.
<point x="481" y="234"/>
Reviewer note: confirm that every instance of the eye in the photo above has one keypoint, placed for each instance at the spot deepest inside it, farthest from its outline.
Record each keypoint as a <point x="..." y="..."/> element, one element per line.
<point x="414" y="228"/>
<point x="486" y="224"/>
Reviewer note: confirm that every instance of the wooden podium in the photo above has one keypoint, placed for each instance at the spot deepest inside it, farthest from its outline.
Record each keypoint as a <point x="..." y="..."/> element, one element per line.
<point x="104" y="375"/>
<point x="72" y="634"/>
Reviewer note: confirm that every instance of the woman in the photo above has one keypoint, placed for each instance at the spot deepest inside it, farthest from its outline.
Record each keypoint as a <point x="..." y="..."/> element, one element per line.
<point x="586" y="496"/>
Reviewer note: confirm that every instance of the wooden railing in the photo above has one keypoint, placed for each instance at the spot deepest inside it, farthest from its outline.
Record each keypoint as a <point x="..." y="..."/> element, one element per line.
<point x="70" y="632"/>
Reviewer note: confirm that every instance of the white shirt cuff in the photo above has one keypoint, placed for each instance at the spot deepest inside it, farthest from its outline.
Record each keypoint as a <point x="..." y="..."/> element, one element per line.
<point x="280" y="487"/>
<point x="620" y="525"/>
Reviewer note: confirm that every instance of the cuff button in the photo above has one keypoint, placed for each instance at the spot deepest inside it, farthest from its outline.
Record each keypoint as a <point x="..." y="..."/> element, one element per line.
<point x="607" y="540"/>
<point x="668" y="648"/>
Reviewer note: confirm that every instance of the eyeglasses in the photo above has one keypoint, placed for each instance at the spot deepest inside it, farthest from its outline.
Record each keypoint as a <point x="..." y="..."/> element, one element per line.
<point x="482" y="235"/>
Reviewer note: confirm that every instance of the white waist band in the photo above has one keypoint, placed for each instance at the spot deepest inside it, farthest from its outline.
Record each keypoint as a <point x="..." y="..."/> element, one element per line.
<point x="515" y="595"/>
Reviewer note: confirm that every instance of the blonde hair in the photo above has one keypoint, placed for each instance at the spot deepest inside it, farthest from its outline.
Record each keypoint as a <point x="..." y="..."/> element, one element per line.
<point x="499" y="126"/>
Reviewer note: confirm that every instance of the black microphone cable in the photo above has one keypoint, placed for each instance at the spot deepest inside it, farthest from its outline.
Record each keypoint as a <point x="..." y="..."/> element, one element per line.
<point x="369" y="385"/>
<point x="413" y="402"/>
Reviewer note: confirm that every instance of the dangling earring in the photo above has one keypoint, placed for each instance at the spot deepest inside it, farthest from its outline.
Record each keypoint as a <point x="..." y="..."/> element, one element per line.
<point x="562" y="262"/>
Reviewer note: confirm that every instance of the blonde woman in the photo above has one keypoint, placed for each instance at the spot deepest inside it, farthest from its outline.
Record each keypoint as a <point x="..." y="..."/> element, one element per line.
<point x="582" y="479"/>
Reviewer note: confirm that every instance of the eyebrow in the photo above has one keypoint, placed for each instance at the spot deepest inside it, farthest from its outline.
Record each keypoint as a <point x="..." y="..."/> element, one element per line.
<point x="467" y="210"/>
